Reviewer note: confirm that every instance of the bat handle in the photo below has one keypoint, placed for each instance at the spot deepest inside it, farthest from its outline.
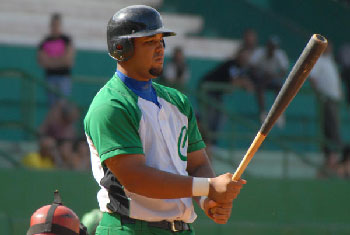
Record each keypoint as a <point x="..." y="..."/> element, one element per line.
<point x="259" y="138"/>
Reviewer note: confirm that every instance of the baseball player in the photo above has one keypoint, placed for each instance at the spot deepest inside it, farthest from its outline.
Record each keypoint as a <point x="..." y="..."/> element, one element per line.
<point x="146" y="151"/>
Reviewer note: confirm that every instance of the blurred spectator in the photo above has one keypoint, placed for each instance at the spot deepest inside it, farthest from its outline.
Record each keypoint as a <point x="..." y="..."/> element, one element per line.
<point x="76" y="155"/>
<point x="56" y="56"/>
<point x="326" y="81"/>
<point x="46" y="156"/>
<point x="60" y="121"/>
<point x="269" y="67"/>
<point x="176" y="73"/>
<point x="233" y="72"/>
<point x="81" y="153"/>
<point x="344" y="62"/>
<point x="59" y="124"/>
<point x="344" y="166"/>
<point x="65" y="149"/>
<point x="249" y="42"/>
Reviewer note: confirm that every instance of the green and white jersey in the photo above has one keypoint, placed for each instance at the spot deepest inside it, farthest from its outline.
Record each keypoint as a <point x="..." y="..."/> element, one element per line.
<point x="120" y="122"/>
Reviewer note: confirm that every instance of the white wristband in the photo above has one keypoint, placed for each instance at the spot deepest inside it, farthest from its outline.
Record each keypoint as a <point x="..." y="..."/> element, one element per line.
<point x="200" y="186"/>
<point x="201" y="201"/>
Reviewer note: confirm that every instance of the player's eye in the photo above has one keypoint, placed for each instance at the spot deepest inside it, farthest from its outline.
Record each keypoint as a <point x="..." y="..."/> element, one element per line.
<point x="150" y="42"/>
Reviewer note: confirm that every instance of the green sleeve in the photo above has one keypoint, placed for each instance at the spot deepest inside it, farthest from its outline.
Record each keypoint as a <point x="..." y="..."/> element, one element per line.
<point x="113" y="131"/>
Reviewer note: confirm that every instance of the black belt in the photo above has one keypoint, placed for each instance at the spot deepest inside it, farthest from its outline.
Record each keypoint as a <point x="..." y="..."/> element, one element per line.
<point x="175" y="226"/>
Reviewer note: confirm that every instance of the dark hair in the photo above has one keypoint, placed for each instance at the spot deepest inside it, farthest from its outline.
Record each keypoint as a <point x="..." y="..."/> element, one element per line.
<point x="56" y="16"/>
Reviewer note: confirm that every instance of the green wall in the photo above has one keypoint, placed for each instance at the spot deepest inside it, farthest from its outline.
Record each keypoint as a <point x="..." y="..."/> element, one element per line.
<point x="265" y="206"/>
<point x="23" y="191"/>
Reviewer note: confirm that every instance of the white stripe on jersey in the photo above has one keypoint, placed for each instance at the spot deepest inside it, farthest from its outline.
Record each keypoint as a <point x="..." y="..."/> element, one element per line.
<point x="97" y="171"/>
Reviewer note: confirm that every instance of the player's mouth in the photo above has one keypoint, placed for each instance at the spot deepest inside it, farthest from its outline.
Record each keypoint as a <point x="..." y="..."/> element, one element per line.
<point x="159" y="58"/>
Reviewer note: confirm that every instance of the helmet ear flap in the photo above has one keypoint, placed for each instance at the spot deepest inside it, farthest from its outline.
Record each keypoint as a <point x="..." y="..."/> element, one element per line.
<point x="121" y="49"/>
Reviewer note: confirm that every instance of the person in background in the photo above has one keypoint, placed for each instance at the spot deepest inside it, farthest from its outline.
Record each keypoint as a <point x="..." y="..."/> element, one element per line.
<point x="56" y="57"/>
<point x="234" y="73"/>
<point x="325" y="80"/>
<point x="80" y="156"/>
<point x="344" y="62"/>
<point x="45" y="158"/>
<point x="60" y="124"/>
<point x="269" y="66"/>
<point x="176" y="73"/>
<point x="60" y="121"/>
<point x="344" y="165"/>
<point x="249" y="42"/>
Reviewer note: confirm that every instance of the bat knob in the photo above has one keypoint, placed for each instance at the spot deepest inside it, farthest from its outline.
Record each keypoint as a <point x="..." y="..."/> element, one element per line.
<point x="320" y="38"/>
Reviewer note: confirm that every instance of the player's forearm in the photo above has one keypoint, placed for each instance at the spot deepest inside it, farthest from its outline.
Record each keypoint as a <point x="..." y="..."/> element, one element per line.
<point x="198" y="164"/>
<point x="154" y="183"/>
<point x="204" y="170"/>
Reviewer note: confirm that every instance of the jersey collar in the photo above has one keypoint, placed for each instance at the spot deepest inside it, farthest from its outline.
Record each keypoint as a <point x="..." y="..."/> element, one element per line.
<point x="133" y="84"/>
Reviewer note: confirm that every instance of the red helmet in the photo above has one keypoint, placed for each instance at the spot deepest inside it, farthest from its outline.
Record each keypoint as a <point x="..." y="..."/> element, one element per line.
<point x="54" y="219"/>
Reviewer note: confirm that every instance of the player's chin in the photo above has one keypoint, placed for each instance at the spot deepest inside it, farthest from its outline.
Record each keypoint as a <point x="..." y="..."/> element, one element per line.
<point x="156" y="71"/>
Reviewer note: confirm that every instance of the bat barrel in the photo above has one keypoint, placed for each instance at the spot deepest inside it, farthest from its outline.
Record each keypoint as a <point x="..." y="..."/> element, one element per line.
<point x="291" y="86"/>
<point x="295" y="80"/>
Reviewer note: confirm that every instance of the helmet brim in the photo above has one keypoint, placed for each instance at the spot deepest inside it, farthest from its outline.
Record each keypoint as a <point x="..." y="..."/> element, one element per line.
<point x="147" y="33"/>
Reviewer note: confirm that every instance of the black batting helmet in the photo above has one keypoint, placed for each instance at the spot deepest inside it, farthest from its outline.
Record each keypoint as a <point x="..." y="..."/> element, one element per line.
<point x="131" y="22"/>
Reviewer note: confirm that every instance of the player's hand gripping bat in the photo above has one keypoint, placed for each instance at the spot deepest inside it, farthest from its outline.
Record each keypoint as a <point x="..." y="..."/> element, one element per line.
<point x="291" y="86"/>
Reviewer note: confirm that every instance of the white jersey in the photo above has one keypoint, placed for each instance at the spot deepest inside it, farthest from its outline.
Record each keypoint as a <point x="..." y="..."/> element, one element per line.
<point x="120" y="122"/>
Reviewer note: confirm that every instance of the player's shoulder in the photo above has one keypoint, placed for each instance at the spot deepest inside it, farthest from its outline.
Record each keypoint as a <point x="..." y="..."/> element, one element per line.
<point x="113" y="96"/>
<point x="172" y="96"/>
<point x="168" y="93"/>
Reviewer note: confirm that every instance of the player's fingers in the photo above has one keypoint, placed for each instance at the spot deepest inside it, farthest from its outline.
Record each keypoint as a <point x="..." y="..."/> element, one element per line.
<point x="225" y="204"/>
<point x="223" y="211"/>
<point x="211" y="203"/>
<point x="236" y="185"/>
<point x="220" y="221"/>
<point x="212" y="211"/>
<point x="231" y="195"/>
<point x="239" y="182"/>
<point x="221" y="217"/>
<point x="242" y="181"/>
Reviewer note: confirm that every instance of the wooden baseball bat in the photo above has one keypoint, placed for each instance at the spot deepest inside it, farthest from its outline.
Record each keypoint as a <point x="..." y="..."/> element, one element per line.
<point x="291" y="86"/>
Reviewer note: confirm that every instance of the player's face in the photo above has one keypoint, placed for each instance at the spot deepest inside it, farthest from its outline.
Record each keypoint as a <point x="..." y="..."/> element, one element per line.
<point x="148" y="56"/>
